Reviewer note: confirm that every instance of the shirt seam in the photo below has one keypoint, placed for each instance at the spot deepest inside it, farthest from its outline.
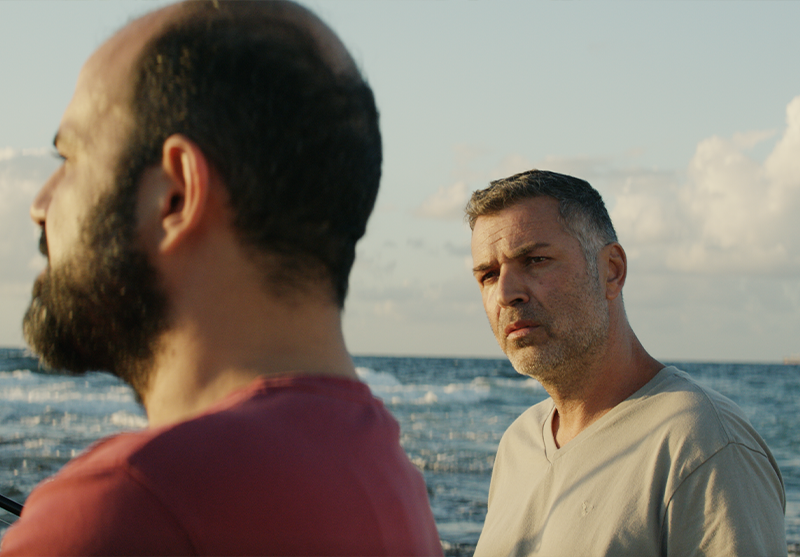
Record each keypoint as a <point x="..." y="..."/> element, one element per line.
<point x="727" y="445"/>
<point x="134" y="476"/>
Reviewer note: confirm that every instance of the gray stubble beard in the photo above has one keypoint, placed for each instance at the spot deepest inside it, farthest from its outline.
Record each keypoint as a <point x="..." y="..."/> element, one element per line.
<point x="562" y="362"/>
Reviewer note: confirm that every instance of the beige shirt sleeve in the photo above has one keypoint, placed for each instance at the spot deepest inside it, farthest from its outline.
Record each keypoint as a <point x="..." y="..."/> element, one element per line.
<point x="732" y="505"/>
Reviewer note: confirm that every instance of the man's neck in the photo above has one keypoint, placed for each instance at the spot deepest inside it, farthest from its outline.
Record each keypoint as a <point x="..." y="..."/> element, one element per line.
<point x="202" y="360"/>
<point x="621" y="374"/>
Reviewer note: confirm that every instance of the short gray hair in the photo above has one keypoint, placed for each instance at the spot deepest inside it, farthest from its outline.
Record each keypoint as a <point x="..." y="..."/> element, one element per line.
<point x="580" y="207"/>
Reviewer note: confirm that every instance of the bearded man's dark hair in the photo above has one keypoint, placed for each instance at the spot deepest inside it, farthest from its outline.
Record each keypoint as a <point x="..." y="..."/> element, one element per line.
<point x="294" y="138"/>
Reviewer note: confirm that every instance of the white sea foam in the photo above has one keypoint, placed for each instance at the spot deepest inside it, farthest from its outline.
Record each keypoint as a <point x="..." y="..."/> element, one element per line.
<point x="92" y="394"/>
<point x="376" y="378"/>
<point x="126" y="420"/>
<point x="387" y="387"/>
<point x="452" y="415"/>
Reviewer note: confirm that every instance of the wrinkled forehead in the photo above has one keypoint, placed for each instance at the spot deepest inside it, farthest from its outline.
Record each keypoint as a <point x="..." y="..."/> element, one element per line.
<point x="530" y="221"/>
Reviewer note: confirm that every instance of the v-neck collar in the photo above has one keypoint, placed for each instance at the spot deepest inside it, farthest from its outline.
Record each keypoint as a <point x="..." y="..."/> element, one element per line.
<point x="553" y="452"/>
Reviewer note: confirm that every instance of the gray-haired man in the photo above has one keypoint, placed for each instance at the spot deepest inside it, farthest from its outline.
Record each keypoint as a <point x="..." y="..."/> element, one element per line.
<point x="627" y="457"/>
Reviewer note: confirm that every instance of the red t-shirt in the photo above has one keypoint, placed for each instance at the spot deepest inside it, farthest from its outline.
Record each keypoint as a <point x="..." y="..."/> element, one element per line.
<point x="291" y="465"/>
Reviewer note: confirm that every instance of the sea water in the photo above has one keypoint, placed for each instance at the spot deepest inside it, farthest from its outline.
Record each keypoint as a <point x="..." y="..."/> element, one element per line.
<point x="452" y="413"/>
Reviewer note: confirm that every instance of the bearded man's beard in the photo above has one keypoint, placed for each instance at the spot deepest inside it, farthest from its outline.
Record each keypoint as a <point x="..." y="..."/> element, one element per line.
<point x="104" y="310"/>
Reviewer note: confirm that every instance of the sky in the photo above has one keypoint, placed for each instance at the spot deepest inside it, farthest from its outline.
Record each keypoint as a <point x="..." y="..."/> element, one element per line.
<point x="684" y="115"/>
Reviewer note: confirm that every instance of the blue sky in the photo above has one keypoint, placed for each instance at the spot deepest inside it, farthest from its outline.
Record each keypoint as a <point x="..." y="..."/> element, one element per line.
<point x="684" y="115"/>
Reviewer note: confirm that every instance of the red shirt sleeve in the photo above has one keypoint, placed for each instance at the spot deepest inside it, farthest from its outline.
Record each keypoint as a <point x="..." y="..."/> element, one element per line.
<point x="105" y="512"/>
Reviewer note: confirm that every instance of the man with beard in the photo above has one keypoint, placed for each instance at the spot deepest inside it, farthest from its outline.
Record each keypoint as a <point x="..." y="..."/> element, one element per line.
<point x="627" y="457"/>
<point x="220" y="162"/>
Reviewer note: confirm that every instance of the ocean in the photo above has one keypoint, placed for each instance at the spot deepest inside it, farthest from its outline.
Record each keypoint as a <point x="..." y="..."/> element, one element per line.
<point x="452" y="413"/>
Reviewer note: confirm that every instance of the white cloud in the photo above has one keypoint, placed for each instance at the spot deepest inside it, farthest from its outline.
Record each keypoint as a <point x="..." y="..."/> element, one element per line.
<point x="21" y="175"/>
<point x="732" y="213"/>
<point x="786" y="150"/>
<point x="447" y="203"/>
<point x="386" y="308"/>
<point x="726" y="212"/>
<point x="472" y="171"/>
<point x="437" y="315"/>
<point x="8" y="153"/>
<point x="508" y="166"/>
